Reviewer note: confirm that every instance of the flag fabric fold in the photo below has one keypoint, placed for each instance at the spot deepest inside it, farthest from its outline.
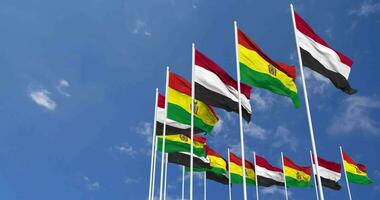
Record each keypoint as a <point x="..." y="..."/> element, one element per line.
<point x="356" y="173"/>
<point x="216" y="87"/>
<point x="329" y="172"/>
<point x="317" y="55"/>
<point x="179" y="105"/>
<point x="268" y="175"/>
<point x="236" y="171"/>
<point x="258" y="70"/>
<point x="295" y="175"/>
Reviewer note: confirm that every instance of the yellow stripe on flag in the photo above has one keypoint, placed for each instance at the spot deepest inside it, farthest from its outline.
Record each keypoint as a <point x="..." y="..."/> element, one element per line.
<point x="296" y="174"/>
<point x="353" y="169"/>
<point x="257" y="63"/>
<point x="202" y="111"/>
<point x="217" y="162"/>
<point x="238" y="170"/>
<point x="182" y="139"/>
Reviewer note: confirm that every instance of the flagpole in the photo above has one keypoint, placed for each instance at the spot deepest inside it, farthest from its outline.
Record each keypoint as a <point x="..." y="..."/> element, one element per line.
<point x="315" y="181"/>
<point x="164" y="133"/>
<point x="229" y="175"/>
<point x="345" y="173"/>
<point x="154" y="167"/>
<point x="257" y="181"/>
<point x="183" y="182"/>
<point x="314" y="147"/>
<point x="240" y="111"/>
<point x="204" y="186"/>
<point x="192" y="120"/>
<point x="153" y="147"/>
<point x="283" y="173"/>
<point x="166" y="174"/>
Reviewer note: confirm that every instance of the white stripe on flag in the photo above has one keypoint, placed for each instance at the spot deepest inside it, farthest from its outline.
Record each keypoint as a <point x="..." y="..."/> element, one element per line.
<point x="328" y="174"/>
<point x="277" y="176"/>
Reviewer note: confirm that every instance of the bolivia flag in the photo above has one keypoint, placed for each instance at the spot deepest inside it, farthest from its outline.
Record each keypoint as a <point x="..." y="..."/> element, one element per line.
<point x="356" y="173"/>
<point x="258" y="70"/>
<point x="179" y="105"/>
<point x="236" y="171"/>
<point x="181" y="143"/>
<point x="296" y="176"/>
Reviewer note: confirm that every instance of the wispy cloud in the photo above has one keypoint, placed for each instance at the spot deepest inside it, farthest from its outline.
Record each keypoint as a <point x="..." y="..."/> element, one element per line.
<point x="130" y="180"/>
<point x="365" y="9"/>
<point x="255" y="131"/>
<point x="275" y="190"/>
<point x="329" y="32"/>
<point x="218" y="127"/>
<point x="145" y="129"/>
<point x="140" y="27"/>
<point x="126" y="149"/>
<point x="262" y="100"/>
<point x="41" y="97"/>
<point x="316" y="83"/>
<point x="356" y="114"/>
<point x="61" y="86"/>
<point x="91" y="185"/>
<point x="283" y="137"/>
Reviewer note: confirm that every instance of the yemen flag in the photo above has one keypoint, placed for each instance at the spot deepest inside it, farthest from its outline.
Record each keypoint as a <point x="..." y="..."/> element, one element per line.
<point x="258" y="70"/>
<point x="179" y="105"/>
<point x="329" y="172"/>
<point x="320" y="57"/>
<point x="236" y="171"/>
<point x="268" y="175"/>
<point x="182" y="143"/>
<point x="295" y="175"/>
<point x="215" y="87"/>
<point x="356" y="173"/>
<point x="172" y="127"/>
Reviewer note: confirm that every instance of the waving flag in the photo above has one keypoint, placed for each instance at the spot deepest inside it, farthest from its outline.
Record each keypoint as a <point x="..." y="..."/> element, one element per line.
<point x="182" y="143"/>
<point x="258" y="70"/>
<point x="179" y="105"/>
<point x="329" y="172"/>
<point x="356" y="173"/>
<point x="236" y="171"/>
<point x="268" y="175"/>
<point x="215" y="87"/>
<point x="172" y="127"/>
<point x="320" y="57"/>
<point x="296" y="176"/>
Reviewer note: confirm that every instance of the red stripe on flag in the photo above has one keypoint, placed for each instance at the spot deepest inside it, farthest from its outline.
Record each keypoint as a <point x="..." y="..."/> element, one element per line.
<point x="348" y="159"/>
<point x="260" y="161"/>
<point x="303" y="27"/>
<point x="333" y="166"/>
<point x="237" y="160"/>
<point x="203" y="61"/>
<point x="291" y="164"/>
<point x="161" y="101"/>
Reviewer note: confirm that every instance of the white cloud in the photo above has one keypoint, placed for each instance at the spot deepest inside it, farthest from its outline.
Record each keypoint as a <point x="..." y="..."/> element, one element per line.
<point x="365" y="9"/>
<point x="60" y="87"/>
<point x="141" y="27"/>
<point x="146" y="130"/>
<point x="91" y="185"/>
<point x="218" y="127"/>
<point x="274" y="190"/>
<point x="283" y="136"/>
<point x="41" y="97"/>
<point x="255" y="131"/>
<point x="262" y="100"/>
<point x="328" y="32"/>
<point x="356" y="115"/>
<point x="130" y="180"/>
<point x="126" y="149"/>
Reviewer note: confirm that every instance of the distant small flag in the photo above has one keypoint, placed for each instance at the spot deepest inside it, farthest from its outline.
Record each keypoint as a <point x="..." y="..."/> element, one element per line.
<point x="356" y="173"/>
<point x="268" y="175"/>
<point x="320" y="57"/>
<point x="179" y="105"/>
<point x="258" y="70"/>
<point x="216" y="87"/>
<point x="329" y="172"/>
<point x="296" y="176"/>
<point x="182" y="143"/>
<point x="236" y="171"/>
<point x="172" y="127"/>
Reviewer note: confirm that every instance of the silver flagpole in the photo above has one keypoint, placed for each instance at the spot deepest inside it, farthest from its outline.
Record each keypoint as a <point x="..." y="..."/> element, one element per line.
<point x="283" y="173"/>
<point x="229" y="175"/>
<point x="183" y="182"/>
<point x="192" y="120"/>
<point x="152" y="174"/>
<point x="315" y="181"/>
<point x="166" y="175"/>
<point x="164" y="134"/>
<point x="204" y="186"/>
<point x="240" y="111"/>
<point x="345" y="173"/>
<point x="314" y="147"/>
<point x="257" y="181"/>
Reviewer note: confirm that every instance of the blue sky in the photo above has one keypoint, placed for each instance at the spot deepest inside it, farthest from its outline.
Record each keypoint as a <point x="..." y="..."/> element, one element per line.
<point x="77" y="88"/>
